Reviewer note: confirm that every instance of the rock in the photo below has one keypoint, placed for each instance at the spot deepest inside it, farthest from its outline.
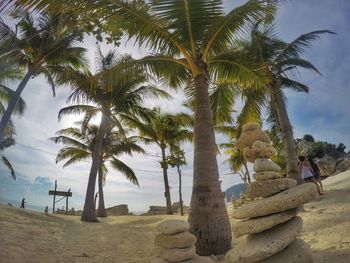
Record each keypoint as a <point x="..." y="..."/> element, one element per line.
<point x="156" y="210"/>
<point x="327" y="165"/>
<point x="343" y="166"/>
<point x="266" y="175"/>
<point x="181" y="240"/>
<point x="297" y="252"/>
<point x="269" y="187"/>
<point x="259" y="246"/>
<point x="173" y="226"/>
<point x="178" y="254"/>
<point x="261" y="165"/>
<point x="119" y="210"/>
<point x="260" y="224"/>
<point x="250" y="126"/>
<point x="248" y="137"/>
<point x="286" y="200"/>
<point x="258" y="149"/>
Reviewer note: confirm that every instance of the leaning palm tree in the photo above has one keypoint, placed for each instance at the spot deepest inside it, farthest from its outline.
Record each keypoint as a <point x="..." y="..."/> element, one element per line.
<point x="162" y="129"/>
<point x="40" y="45"/>
<point x="80" y="143"/>
<point x="190" y="41"/>
<point x="280" y="60"/>
<point x="9" y="74"/>
<point x="114" y="90"/>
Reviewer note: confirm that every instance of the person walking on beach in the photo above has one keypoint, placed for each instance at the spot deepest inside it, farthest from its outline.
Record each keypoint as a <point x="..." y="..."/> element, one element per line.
<point x="307" y="173"/>
<point x="317" y="173"/>
<point x="46" y="210"/>
<point x="22" y="203"/>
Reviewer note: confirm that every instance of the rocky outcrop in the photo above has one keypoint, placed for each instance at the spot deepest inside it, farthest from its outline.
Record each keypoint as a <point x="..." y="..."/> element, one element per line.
<point x="327" y="165"/>
<point x="119" y="210"/>
<point x="269" y="222"/>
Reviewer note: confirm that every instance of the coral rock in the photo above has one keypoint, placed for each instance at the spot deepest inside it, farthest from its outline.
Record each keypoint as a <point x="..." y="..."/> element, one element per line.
<point x="261" y="165"/>
<point x="269" y="187"/>
<point x="173" y="226"/>
<point x="181" y="240"/>
<point x="178" y="254"/>
<point x="289" y="199"/>
<point x="259" y="246"/>
<point x="257" y="150"/>
<point x="266" y="175"/>
<point x="259" y="224"/>
<point x="297" y="252"/>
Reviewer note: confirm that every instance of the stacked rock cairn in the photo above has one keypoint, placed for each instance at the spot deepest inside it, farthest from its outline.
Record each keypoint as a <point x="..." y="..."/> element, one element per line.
<point x="269" y="225"/>
<point x="177" y="244"/>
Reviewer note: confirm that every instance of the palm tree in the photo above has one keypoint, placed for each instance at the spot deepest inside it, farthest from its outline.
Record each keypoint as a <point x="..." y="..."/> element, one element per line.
<point x="162" y="129"/>
<point x="177" y="159"/>
<point x="191" y="42"/>
<point x="80" y="143"/>
<point x="280" y="60"/>
<point x="41" y="46"/>
<point x="113" y="91"/>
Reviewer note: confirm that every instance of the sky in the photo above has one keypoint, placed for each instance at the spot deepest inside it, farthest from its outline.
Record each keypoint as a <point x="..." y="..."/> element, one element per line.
<point x="324" y="113"/>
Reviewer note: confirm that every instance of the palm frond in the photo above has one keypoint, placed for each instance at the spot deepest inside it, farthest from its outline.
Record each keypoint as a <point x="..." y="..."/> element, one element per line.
<point x="7" y="163"/>
<point x="125" y="170"/>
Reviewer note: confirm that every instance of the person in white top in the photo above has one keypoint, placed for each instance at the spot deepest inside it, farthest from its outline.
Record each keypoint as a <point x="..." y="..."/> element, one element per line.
<point x="307" y="173"/>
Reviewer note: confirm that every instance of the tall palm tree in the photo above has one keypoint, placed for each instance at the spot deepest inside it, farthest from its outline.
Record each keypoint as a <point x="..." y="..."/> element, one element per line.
<point x="80" y="143"/>
<point x="162" y="129"/>
<point x="40" y="45"/>
<point x="280" y="60"/>
<point x="113" y="91"/>
<point x="190" y="41"/>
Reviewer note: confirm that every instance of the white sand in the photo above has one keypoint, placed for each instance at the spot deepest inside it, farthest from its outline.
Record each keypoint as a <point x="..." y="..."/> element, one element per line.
<point x="27" y="236"/>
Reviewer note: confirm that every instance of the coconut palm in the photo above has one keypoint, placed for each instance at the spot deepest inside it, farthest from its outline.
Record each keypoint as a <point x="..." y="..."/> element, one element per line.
<point x="80" y="143"/>
<point x="162" y="129"/>
<point x="9" y="74"/>
<point x="40" y="45"/>
<point x="280" y="60"/>
<point x="114" y="90"/>
<point x="190" y="41"/>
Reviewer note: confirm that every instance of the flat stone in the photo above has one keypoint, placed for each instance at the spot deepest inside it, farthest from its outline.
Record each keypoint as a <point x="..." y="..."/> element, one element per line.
<point x="250" y="126"/>
<point x="180" y="240"/>
<point x="286" y="200"/>
<point x="259" y="246"/>
<point x="178" y="254"/>
<point x="259" y="224"/>
<point x="297" y="252"/>
<point x="261" y="165"/>
<point x="269" y="187"/>
<point x="172" y="226"/>
<point x="266" y="175"/>
<point x="250" y="136"/>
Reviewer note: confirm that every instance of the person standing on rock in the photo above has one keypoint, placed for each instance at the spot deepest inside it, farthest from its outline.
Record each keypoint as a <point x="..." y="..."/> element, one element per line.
<point x="317" y="173"/>
<point x="307" y="173"/>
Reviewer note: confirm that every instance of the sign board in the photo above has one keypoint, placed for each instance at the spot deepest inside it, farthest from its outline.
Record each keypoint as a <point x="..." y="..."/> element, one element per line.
<point x="60" y="193"/>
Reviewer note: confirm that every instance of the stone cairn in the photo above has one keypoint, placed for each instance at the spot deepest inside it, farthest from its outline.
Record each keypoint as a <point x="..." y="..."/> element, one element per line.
<point x="269" y="224"/>
<point x="177" y="244"/>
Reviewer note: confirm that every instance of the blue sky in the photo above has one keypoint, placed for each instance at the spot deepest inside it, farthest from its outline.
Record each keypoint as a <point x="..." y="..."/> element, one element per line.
<point x="324" y="113"/>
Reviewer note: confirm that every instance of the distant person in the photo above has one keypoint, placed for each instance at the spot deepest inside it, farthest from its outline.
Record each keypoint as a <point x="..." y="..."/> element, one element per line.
<point x="317" y="173"/>
<point x="47" y="210"/>
<point x="307" y="173"/>
<point x="22" y="203"/>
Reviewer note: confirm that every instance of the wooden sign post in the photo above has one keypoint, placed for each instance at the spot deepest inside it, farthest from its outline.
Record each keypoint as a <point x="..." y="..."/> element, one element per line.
<point x="59" y="193"/>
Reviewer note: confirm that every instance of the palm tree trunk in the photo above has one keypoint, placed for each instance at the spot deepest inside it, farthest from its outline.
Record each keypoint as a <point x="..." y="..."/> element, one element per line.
<point x="89" y="212"/>
<point x="208" y="217"/>
<point x="180" y="190"/>
<point x="287" y="135"/>
<point x="169" y="209"/>
<point x="101" y="210"/>
<point x="13" y="101"/>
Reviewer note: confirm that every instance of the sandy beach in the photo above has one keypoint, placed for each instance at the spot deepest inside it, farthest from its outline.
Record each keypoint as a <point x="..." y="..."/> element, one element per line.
<point x="28" y="236"/>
